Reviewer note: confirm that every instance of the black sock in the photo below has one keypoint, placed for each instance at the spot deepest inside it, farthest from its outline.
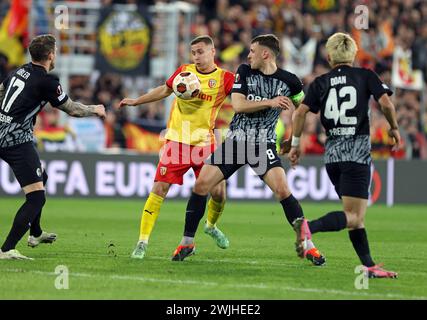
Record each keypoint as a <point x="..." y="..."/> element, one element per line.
<point x="360" y="243"/>
<point x="195" y="210"/>
<point x="25" y="215"/>
<point x="35" y="229"/>
<point x="332" y="221"/>
<point x="292" y="209"/>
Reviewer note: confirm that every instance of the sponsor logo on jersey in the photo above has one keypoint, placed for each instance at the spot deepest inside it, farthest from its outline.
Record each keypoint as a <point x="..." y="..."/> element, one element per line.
<point x="5" y="118"/>
<point x="204" y="96"/>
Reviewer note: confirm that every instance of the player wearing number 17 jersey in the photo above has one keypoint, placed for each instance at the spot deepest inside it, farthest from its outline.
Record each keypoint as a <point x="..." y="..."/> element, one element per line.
<point x="342" y="98"/>
<point x="23" y="94"/>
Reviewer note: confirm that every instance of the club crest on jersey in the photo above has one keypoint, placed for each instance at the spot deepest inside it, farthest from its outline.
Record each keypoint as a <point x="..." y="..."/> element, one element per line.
<point x="163" y="171"/>
<point x="212" y="83"/>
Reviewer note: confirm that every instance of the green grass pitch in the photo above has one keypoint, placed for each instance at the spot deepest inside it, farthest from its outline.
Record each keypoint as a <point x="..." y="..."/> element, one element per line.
<point x="96" y="237"/>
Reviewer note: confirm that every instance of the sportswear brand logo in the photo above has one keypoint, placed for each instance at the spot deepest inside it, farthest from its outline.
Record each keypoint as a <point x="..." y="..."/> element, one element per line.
<point x="271" y="162"/>
<point x="149" y="212"/>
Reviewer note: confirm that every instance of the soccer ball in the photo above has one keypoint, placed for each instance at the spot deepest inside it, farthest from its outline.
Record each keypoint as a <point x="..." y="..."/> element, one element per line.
<point x="186" y="85"/>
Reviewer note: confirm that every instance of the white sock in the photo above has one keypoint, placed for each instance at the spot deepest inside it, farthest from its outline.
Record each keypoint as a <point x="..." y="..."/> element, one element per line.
<point x="187" y="241"/>
<point x="310" y="245"/>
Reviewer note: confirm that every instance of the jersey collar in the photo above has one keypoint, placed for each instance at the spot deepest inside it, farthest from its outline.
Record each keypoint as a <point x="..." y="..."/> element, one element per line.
<point x="216" y="68"/>
<point x="38" y="66"/>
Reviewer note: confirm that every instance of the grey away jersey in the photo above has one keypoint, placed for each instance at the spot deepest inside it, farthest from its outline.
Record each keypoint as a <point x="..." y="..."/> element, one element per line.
<point x="342" y="97"/>
<point x="28" y="89"/>
<point x="260" y="126"/>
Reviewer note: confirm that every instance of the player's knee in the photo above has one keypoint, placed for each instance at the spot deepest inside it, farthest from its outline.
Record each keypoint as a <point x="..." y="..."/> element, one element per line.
<point x="202" y="186"/>
<point x="161" y="189"/>
<point x="354" y="220"/>
<point x="282" y="192"/>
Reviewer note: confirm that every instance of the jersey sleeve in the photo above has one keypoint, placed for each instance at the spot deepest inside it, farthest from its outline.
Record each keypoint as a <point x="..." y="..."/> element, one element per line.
<point x="311" y="99"/>
<point x="169" y="81"/>
<point x="240" y="85"/>
<point x="53" y="92"/>
<point x="376" y="87"/>
<point x="297" y="94"/>
<point x="228" y="82"/>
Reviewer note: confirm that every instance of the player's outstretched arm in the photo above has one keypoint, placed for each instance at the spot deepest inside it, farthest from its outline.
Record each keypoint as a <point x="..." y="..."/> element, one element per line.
<point x="298" y="120"/>
<point x="156" y="94"/>
<point x="241" y="105"/>
<point x="389" y="112"/>
<point x="80" y="110"/>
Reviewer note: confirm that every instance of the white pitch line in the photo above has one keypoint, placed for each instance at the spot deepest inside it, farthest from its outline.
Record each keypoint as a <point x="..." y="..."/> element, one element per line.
<point x="216" y="284"/>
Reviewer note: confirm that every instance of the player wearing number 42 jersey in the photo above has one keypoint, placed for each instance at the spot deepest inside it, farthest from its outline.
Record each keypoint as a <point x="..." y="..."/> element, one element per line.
<point x="190" y="138"/>
<point x="342" y="98"/>
<point x="22" y="96"/>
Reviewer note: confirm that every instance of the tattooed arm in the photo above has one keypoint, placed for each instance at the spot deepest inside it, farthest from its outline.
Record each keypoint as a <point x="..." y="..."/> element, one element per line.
<point x="80" y="110"/>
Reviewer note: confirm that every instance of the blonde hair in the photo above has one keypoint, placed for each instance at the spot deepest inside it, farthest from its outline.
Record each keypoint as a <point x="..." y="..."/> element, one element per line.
<point x="341" y="48"/>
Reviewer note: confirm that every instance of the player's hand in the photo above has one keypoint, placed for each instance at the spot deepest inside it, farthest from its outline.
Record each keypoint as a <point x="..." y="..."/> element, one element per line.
<point x="100" y="111"/>
<point x="281" y="102"/>
<point x="285" y="146"/>
<point x="294" y="155"/>
<point x="394" y="133"/>
<point x="127" y="102"/>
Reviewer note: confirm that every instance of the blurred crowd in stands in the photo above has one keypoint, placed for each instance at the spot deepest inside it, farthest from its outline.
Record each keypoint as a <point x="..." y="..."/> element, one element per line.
<point x="232" y="24"/>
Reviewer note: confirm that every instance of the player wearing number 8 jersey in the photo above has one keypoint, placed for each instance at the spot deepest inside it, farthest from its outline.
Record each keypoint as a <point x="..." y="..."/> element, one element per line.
<point x="342" y="98"/>
<point x="260" y="92"/>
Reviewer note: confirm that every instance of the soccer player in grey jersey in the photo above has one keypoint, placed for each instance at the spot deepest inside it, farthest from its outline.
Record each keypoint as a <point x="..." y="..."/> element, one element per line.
<point x="260" y="92"/>
<point x="342" y="96"/>
<point x="23" y="94"/>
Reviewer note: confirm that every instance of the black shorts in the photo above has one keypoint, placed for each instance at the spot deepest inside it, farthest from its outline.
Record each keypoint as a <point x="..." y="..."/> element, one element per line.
<point x="25" y="163"/>
<point x="232" y="155"/>
<point x="350" y="178"/>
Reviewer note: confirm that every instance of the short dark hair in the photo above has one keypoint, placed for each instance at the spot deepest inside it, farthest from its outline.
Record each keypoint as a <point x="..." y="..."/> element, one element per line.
<point x="205" y="39"/>
<point x="41" y="46"/>
<point x="270" y="41"/>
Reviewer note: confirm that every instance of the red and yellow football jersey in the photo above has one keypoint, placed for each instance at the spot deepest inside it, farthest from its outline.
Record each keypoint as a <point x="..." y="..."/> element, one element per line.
<point x="192" y="121"/>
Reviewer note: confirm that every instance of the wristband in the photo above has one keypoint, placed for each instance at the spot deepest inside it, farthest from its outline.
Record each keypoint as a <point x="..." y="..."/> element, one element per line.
<point x="295" y="141"/>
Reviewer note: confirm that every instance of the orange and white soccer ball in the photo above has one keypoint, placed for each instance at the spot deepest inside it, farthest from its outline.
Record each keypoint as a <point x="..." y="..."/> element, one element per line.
<point x="186" y="85"/>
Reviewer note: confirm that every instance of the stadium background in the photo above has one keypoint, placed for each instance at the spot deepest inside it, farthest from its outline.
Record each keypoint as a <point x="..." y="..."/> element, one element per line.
<point x="112" y="49"/>
<point x="303" y="27"/>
